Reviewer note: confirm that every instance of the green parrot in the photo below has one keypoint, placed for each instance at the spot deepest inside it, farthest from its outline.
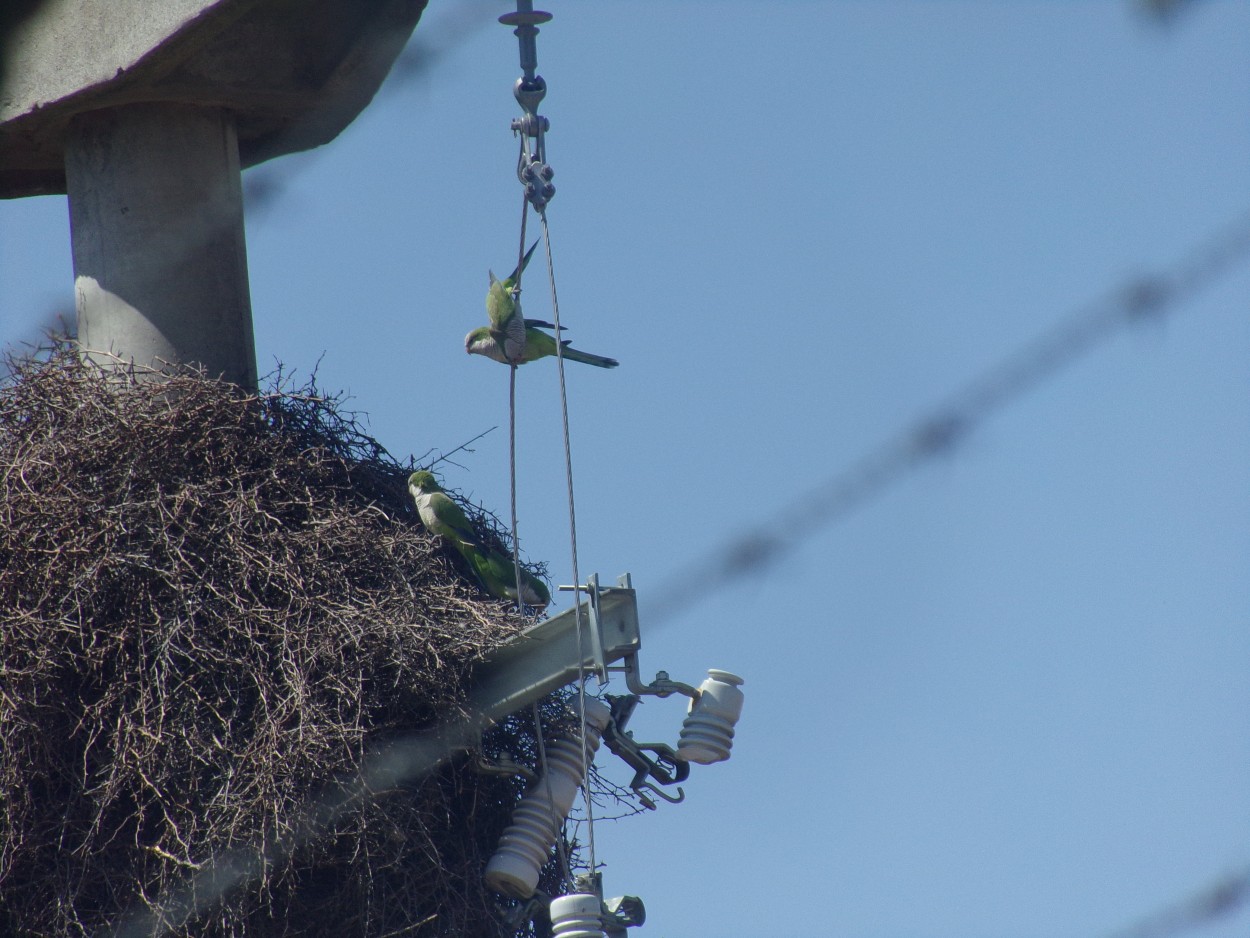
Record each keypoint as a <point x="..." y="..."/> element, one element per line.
<point x="514" y="340"/>
<point x="537" y="344"/>
<point x="497" y="574"/>
<point x="507" y="328"/>
<point x="442" y="516"/>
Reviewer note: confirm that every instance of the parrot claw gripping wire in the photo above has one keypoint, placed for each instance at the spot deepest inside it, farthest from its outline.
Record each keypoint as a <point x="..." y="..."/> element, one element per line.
<point x="532" y="169"/>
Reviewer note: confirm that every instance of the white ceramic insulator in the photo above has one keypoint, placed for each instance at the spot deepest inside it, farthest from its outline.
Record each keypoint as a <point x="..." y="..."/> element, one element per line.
<point x="708" y="731"/>
<point x="577" y="916"/>
<point x="526" y="844"/>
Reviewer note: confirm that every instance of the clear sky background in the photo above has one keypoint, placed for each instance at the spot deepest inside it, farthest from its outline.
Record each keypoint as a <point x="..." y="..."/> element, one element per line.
<point x="1009" y="695"/>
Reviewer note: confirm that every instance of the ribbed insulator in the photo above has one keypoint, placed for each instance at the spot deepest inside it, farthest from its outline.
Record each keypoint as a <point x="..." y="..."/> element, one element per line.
<point x="526" y="844"/>
<point x="708" y="731"/>
<point x="577" y="916"/>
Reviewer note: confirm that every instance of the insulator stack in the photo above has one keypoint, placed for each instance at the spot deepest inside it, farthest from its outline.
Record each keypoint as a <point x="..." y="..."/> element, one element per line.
<point x="536" y="821"/>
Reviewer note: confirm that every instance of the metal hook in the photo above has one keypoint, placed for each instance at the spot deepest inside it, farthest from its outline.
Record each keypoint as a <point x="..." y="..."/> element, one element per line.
<point x="506" y="767"/>
<point x="648" y="760"/>
<point x="671" y="799"/>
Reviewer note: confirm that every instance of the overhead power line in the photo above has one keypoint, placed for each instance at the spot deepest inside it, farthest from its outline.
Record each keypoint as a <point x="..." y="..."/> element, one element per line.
<point x="946" y="426"/>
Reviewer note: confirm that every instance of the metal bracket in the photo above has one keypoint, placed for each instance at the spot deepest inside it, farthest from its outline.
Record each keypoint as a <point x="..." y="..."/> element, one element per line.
<point x="544" y="657"/>
<point x="596" y="637"/>
<point x="595" y="604"/>
<point x="618" y="913"/>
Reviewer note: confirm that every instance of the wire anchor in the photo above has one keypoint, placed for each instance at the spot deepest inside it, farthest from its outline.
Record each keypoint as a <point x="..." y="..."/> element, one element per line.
<point x="529" y="90"/>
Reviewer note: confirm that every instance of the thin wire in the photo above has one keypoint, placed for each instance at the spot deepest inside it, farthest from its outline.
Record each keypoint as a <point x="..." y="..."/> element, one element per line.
<point x="565" y="868"/>
<point x="516" y="542"/>
<point x="577" y="581"/>
<point x="543" y="768"/>
<point x="944" y="428"/>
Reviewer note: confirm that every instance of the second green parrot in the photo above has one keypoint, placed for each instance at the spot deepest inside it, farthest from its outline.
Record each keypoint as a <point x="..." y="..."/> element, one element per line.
<point x="442" y="516"/>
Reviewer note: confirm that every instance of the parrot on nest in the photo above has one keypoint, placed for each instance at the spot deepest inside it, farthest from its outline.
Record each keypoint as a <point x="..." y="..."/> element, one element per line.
<point x="442" y="516"/>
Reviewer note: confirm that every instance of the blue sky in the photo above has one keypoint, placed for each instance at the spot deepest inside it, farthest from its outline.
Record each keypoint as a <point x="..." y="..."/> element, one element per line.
<point x="1006" y="698"/>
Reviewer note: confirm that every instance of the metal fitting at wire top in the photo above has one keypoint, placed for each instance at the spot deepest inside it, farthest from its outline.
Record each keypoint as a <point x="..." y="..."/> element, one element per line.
<point x="526" y="20"/>
<point x="529" y="91"/>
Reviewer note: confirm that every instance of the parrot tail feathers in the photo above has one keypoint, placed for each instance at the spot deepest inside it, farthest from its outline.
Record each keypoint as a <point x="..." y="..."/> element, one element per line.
<point x="599" y="361"/>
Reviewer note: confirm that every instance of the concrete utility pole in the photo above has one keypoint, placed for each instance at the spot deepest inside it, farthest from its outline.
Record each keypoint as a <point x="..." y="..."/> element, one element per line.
<point x="144" y="112"/>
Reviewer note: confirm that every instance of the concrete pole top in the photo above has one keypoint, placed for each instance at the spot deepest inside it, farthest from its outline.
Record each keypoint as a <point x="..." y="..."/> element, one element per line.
<point x="293" y="73"/>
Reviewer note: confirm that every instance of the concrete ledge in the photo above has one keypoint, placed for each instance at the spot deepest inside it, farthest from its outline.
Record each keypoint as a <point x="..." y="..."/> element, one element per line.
<point x="294" y="73"/>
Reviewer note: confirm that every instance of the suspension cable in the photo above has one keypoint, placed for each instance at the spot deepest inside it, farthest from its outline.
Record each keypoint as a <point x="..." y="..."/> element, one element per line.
<point x="516" y="543"/>
<point x="566" y="871"/>
<point x="535" y="175"/>
<point x="516" y="300"/>
<point x="577" y="582"/>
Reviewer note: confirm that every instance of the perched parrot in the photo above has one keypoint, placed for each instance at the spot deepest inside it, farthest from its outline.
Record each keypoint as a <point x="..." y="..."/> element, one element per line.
<point x="507" y="328"/>
<point x="439" y="513"/>
<point x="497" y="574"/>
<point x="442" y="516"/>
<point x="538" y="344"/>
<point x="514" y="340"/>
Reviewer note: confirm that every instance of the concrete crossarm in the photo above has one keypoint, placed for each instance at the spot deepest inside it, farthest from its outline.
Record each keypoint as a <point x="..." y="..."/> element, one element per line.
<point x="293" y="73"/>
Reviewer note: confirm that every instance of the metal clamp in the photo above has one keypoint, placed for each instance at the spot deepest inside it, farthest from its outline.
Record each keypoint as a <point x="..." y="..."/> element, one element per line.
<point x="594" y="594"/>
<point x="664" y="765"/>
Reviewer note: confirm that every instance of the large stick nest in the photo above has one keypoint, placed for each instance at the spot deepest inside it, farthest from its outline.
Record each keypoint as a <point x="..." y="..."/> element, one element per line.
<point x="212" y="604"/>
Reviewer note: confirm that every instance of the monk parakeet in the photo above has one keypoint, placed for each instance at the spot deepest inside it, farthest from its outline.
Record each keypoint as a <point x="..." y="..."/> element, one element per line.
<point x="514" y="340"/>
<point x="497" y="574"/>
<point x="538" y="344"/>
<point x="442" y="516"/>
<point x="507" y="328"/>
<point x="439" y="513"/>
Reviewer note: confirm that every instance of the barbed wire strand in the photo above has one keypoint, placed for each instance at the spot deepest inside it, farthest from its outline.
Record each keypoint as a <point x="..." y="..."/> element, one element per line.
<point x="1217" y="900"/>
<point x="945" y="427"/>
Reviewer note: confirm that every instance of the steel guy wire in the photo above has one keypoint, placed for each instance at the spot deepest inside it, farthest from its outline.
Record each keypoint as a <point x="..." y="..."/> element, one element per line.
<point x="516" y="298"/>
<point x="577" y="582"/>
<point x="535" y="176"/>
<point x="565" y="869"/>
